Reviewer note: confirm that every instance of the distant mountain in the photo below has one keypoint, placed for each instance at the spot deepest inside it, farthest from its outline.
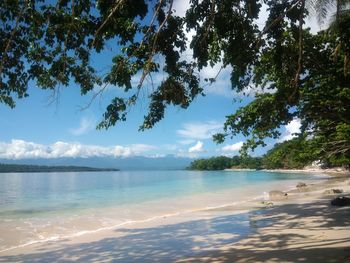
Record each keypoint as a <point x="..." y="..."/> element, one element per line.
<point x="168" y="162"/>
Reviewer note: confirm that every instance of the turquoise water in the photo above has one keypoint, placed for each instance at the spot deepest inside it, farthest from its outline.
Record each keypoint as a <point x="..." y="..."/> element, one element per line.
<point x="43" y="206"/>
<point x="30" y="193"/>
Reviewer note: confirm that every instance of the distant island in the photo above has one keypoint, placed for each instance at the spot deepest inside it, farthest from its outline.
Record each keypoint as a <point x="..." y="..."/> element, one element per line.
<point x="24" y="168"/>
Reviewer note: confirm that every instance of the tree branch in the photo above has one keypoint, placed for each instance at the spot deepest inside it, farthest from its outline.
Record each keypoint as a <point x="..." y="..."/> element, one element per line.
<point x="300" y="55"/>
<point x="8" y="43"/>
<point x="146" y="71"/>
<point x="152" y="21"/>
<point x="276" y="21"/>
<point x="114" y="9"/>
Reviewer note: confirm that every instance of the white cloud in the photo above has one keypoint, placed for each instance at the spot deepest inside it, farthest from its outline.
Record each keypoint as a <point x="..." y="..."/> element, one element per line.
<point x="181" y="7"/>
<point x="212" y="72"/>
<point x="157" y="155"/>
<point x="86" y="124"/>
<point x="199" y="130"/>
<point x="19" y="149"/>
<point x="186" y="142"/>
<point x="140" y="148"/>
<point x="220" y="88"/>
<point x="290" y="130"/>
<point x="185" y="154"/>
<point x="198" y="147"/>
<point x="222" y="85"/>
<point x="170" y="147"/>
<point x="233" y="147"/>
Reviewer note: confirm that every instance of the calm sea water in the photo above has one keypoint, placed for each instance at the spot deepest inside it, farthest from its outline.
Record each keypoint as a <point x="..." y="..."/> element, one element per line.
<point x="41" y="206"/>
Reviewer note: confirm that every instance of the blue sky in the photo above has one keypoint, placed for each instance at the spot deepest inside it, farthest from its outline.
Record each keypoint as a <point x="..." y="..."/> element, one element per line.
<point x="35" y="128"/>
<point x="35" y="120"/>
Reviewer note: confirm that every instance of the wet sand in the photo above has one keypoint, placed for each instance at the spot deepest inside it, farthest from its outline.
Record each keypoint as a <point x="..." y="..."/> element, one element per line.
<point x="303" y="227"/>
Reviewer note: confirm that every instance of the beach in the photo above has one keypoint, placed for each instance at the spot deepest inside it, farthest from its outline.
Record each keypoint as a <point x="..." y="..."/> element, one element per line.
<point x="303" y="227"/>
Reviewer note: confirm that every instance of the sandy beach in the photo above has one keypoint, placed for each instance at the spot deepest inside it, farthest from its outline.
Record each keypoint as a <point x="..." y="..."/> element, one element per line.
<point x="303" y="227"/>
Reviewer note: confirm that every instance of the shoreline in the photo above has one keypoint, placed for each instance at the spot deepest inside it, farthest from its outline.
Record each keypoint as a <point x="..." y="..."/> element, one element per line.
<point x="250" y="209"/>
<point x="305" y="228"/>
<point x="181" y="205"/>
<point x="330" y="171"/>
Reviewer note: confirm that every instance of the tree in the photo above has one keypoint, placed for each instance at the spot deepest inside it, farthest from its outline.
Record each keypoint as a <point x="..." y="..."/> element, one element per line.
<point x="301" y="75"/>
<point x="293" y="154"/>
<point x="223" y="162"/>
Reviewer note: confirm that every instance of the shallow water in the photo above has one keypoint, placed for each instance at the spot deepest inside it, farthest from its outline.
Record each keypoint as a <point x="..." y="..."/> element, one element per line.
<point x="35" y="207"/>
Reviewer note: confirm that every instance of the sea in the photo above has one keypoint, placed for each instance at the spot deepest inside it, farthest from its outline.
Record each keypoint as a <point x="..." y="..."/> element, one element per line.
<point x="41" y="207"/>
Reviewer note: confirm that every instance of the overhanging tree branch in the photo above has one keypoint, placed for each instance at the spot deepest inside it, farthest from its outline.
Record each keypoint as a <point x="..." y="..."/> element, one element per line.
<point x="300" y="53"/>
<point x="113" y="10"/>
<point x="9" y="40"/>
<point x="153" y="50"/>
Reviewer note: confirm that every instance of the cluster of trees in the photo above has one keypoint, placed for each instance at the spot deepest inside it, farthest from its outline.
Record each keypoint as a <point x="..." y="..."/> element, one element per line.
<point x="23" y="168"/>
<point x="293" y="154"/>
<point x="299" y="74"/>
<point x="223" y="162"/>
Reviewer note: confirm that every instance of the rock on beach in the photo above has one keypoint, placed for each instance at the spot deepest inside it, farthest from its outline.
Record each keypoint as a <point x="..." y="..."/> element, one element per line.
<point x="277" y="195"/>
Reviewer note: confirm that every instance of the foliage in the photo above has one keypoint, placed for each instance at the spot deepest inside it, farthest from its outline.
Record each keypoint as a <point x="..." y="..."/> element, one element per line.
<point x="23" y="168"/>
<point x="52" y="45"/>
<point x="223" y="162"/>
<point x="293" y="154"/>
<point x="301" y="75"/>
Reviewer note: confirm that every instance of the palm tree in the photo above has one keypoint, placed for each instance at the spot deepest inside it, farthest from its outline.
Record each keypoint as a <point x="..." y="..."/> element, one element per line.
<point x="339" y="23"/>
<point x="323" y="8"/>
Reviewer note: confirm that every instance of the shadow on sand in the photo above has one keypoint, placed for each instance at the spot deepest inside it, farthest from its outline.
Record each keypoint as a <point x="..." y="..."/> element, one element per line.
<point x="203" y="240"/>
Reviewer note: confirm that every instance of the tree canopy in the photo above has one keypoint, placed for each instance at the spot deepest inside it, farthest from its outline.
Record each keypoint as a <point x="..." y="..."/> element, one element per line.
<point x="298" y="74"/>
<point x="224" y="162"/>
<point x="24" y="168"/>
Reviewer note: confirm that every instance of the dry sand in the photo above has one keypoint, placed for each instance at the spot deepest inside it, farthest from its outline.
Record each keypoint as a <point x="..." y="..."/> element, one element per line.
<point x="337" y="171"/>
<point x="303" y="227"/>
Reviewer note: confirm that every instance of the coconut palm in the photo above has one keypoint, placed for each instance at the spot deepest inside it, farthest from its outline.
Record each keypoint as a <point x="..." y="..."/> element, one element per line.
<point x="323" y="8"/>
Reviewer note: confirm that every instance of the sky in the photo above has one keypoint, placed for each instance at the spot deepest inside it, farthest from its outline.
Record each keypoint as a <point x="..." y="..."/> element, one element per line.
<point x="42" y="127"/>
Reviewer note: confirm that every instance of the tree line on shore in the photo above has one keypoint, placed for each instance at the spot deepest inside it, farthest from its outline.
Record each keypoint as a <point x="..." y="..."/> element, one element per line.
<point x="292" y="154"/>
<point x="24" y="168"/>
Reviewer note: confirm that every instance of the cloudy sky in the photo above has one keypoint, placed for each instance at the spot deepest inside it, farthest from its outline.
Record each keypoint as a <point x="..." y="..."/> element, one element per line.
<point x="40" y="127"/>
